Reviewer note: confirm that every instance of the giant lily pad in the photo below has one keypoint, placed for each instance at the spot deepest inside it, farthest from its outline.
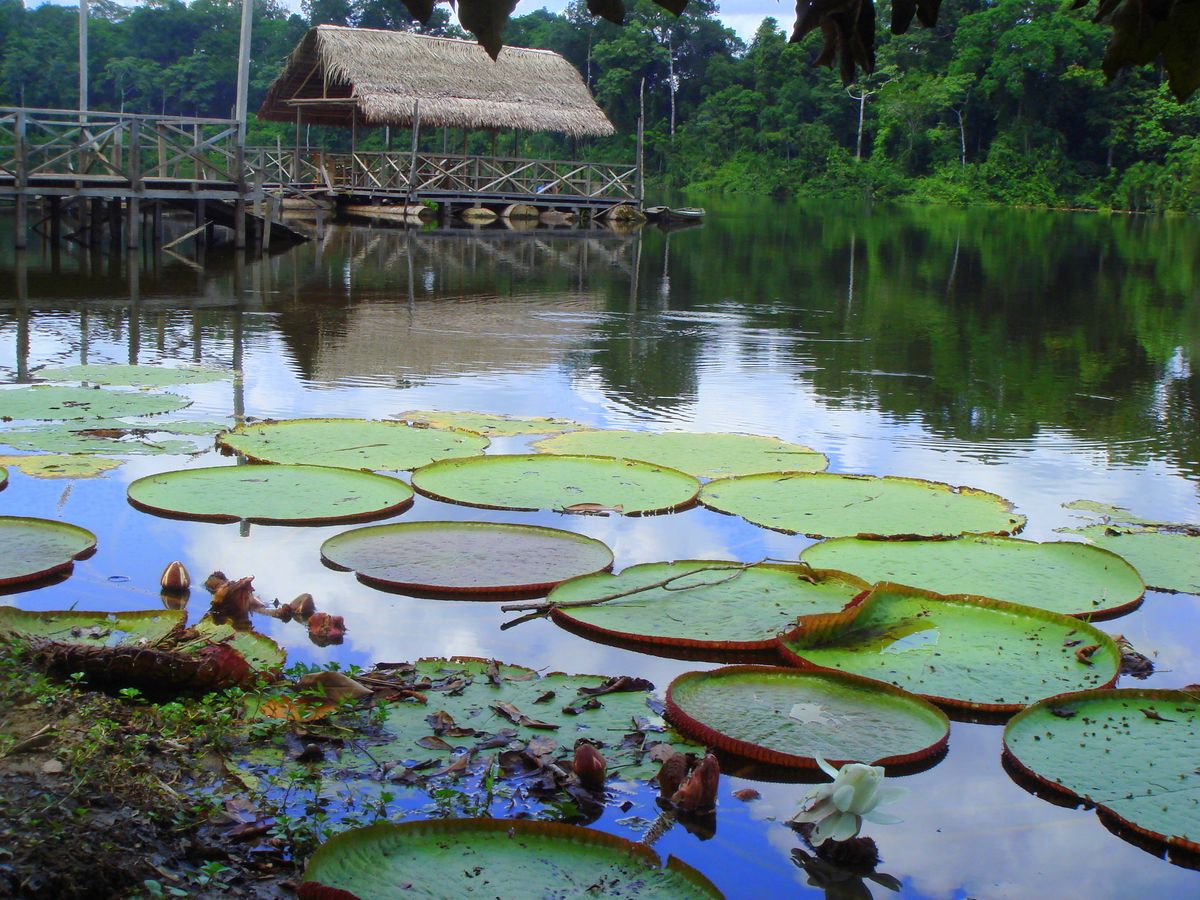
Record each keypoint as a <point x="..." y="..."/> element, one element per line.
<point x="490" y="424"/>
<point x="564" y="483"/>
<point x="1167" y="558"/>
<point x="702" y="604"/>
<point x="44" y="402"/>
<point x="466" y="557"/>
<point x="1069" y="578"/>
<point x="31" y="549"/>
<point x="270" y="494"/>
<point x="967" y="652"/>
<point x="702" y="455"/>
<point x="100" y="629"/>
<point x="824" y="505"/>
<point x="262" y="653"/>
<point x="349" y="443"/>
<point x="502" y="858"/>
<point x="64" y="465"/>
<point x="787" y="717"/>
<point x="1132" y="753"/>
<point x="132" y="376"/>
<point x="107" y="438"/>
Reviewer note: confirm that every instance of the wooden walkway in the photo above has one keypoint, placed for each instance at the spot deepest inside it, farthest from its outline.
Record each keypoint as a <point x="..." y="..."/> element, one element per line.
<point x="104" y="172"/>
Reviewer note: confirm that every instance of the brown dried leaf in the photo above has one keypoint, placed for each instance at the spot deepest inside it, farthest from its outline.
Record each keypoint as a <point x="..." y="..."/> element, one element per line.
<point x="430" y="742"/>
<point x="517" y="717"/>
<point x="617" y="684"/>
<point x="333" y="685"/>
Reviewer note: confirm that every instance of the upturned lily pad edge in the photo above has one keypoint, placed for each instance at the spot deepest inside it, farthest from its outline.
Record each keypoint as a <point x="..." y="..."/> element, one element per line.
<point x="58" y="568"/>
<point x="488" y="591"/>
<point x="465" y="827"/>
<point x="831" y="622"/>
<point x="692" y="727"/>
<point x="1010" y="758"/>
<point x="632" y="640"/>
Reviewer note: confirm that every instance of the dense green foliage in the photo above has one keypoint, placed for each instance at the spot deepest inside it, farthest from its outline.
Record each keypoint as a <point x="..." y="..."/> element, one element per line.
<point x="1002" y="102"/>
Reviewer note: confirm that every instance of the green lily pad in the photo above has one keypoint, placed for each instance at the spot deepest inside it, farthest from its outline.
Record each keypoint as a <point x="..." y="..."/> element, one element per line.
<point x="490" y="424"/>
<point x="1166" y="558"/>
<point x="824" y="505"/>
<point x="702" y="604"/>
<point x="263" y="654"/>
<point x="303" y="495"/>
<point x="702" y="455"/>
<point x="111" y="439"/>
<point x="1064" y="577"/>
<point x="43" y="402"/>
<point x="65" y="465"/>
<point x="349" y="443"/>
<point x="581" y="484"/>
<point x="787" y="717"/>
<point x="466" y="557"/>
<point x="31" y="549"/>
<point x="3" y="478"/>
<point x="1130" y="752"/>
<point x="960" y="651"/>
<point x="132" y="376"/>
<point x="504" y="858"/>
<point x="100" y="629"/>
<point x="1109" y="512"/>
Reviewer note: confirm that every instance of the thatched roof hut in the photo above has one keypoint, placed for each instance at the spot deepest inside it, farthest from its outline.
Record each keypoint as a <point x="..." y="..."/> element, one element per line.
<point x="338" y="76"/>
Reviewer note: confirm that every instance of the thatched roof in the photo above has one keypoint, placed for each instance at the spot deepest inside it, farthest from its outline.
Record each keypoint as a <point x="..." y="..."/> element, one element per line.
<point x="334" y="71"/>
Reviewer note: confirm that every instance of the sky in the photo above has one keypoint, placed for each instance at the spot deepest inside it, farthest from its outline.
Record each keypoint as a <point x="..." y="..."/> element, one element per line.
<point x="743" y="16"/>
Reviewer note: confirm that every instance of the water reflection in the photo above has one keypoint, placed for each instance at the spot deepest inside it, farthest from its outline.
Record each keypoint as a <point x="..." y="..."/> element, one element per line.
<point x="1045" y="357"/>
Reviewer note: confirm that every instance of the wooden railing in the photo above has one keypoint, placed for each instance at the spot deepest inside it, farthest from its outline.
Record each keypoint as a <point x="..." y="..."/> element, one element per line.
<point x="39" y="144"/>
<point x="444" y="174"/>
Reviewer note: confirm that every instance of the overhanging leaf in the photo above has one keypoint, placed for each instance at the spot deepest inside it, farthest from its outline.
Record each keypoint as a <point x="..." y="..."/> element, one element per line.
<point x="1131" y="752"/>
<point x="787" y="717"/>
<point x="613" y="10"/>
<point x="31" y="549"/>
<point x="512" y="858"/>
<point x="1064" y="577"/>
<point x="967" y="652"/>
<point x="270" y="494"/>
<point x="466" y="558"/>
<point x="486" y="20"/>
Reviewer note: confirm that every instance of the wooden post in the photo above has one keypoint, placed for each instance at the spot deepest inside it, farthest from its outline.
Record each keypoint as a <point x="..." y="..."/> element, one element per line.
<point x="97" y="223"/>
<point x="641" y="184"/>
<point x="55" y="219"/>
<point x="114" y="224"/>
<point x="133" y="236"/>
<point x="21" y="224"/>
<point x="266" y="225"/>
<point x="243" y="76"/>
<point x="83" y="57"/>
<point x="412" y="162"/>
<point x="161" y="169"/>
<point x="156" y="226"/>
<point x="296" y="158"/>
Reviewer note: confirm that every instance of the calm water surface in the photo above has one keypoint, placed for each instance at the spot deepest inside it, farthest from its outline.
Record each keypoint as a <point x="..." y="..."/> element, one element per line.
<point x="1046" y="357"/>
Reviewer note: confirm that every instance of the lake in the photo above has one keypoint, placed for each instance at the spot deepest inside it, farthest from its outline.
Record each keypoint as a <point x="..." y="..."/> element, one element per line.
<point x="1046" y="357"/>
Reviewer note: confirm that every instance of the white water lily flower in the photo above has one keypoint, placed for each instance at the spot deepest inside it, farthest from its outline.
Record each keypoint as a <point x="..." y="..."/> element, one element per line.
<point x="838" y="809"/>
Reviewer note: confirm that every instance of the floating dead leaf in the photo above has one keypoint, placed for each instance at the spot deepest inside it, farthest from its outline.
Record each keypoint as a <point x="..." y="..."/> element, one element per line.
<point x="517" y="717"/>
<point x="592" y="509"/>
<point x="1154" y="715"/>
<point x="574" y="709"/>
<point x="1063" y="712"/>
<point x="497" y="740"/>
<point x="296" y="710"/>
<point x="493" y="672"/>
<point x="235" y="600"/>
<point x="617" y="684"/>
<point x="545" y="698"/>
<point x="1084" y="654"/>
<point x="432" y="742"/>
<point x="458" y="764"/>
<point x="334" y="685"/>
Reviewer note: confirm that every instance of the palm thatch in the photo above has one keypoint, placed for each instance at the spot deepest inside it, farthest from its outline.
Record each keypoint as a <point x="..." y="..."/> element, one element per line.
<point x="339" y="75"/>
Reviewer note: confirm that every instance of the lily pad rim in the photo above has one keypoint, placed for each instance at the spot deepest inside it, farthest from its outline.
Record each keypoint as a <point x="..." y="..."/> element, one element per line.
<point x="506" y="590"/>
<point x="685" y="505"/>
<point x="1007" y="506"/>
<point x="793" y="658"/>
<point x="573" y="833"/>
<point x="226" y="519"/>
<point x="563" y="617"/>
<point x="707" y="734"/>
<point x="1111" y="612"/>
<point x="1104" y="693"/>
<point x="227" y="450"/>
<point x="61" y="567"/>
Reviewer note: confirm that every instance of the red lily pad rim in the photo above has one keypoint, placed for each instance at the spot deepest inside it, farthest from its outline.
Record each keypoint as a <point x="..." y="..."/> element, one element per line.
<point x="709" y="736"/>
<point x="534" y="588"/>
<point x="463" y="828"/>
<point x="833" y="621"/>
<point x="227" y="450"/>
<point x="60" y="567"/>
<point x="1007" y="506"/>
<point x="562" y="616"/>
<point x="224" y="518"/>
<point x="1108" y="693"/>
<point x="541" y="457"/>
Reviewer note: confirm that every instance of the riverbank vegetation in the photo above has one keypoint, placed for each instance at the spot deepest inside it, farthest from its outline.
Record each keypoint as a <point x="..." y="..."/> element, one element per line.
<point x="1002" y="102"/>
